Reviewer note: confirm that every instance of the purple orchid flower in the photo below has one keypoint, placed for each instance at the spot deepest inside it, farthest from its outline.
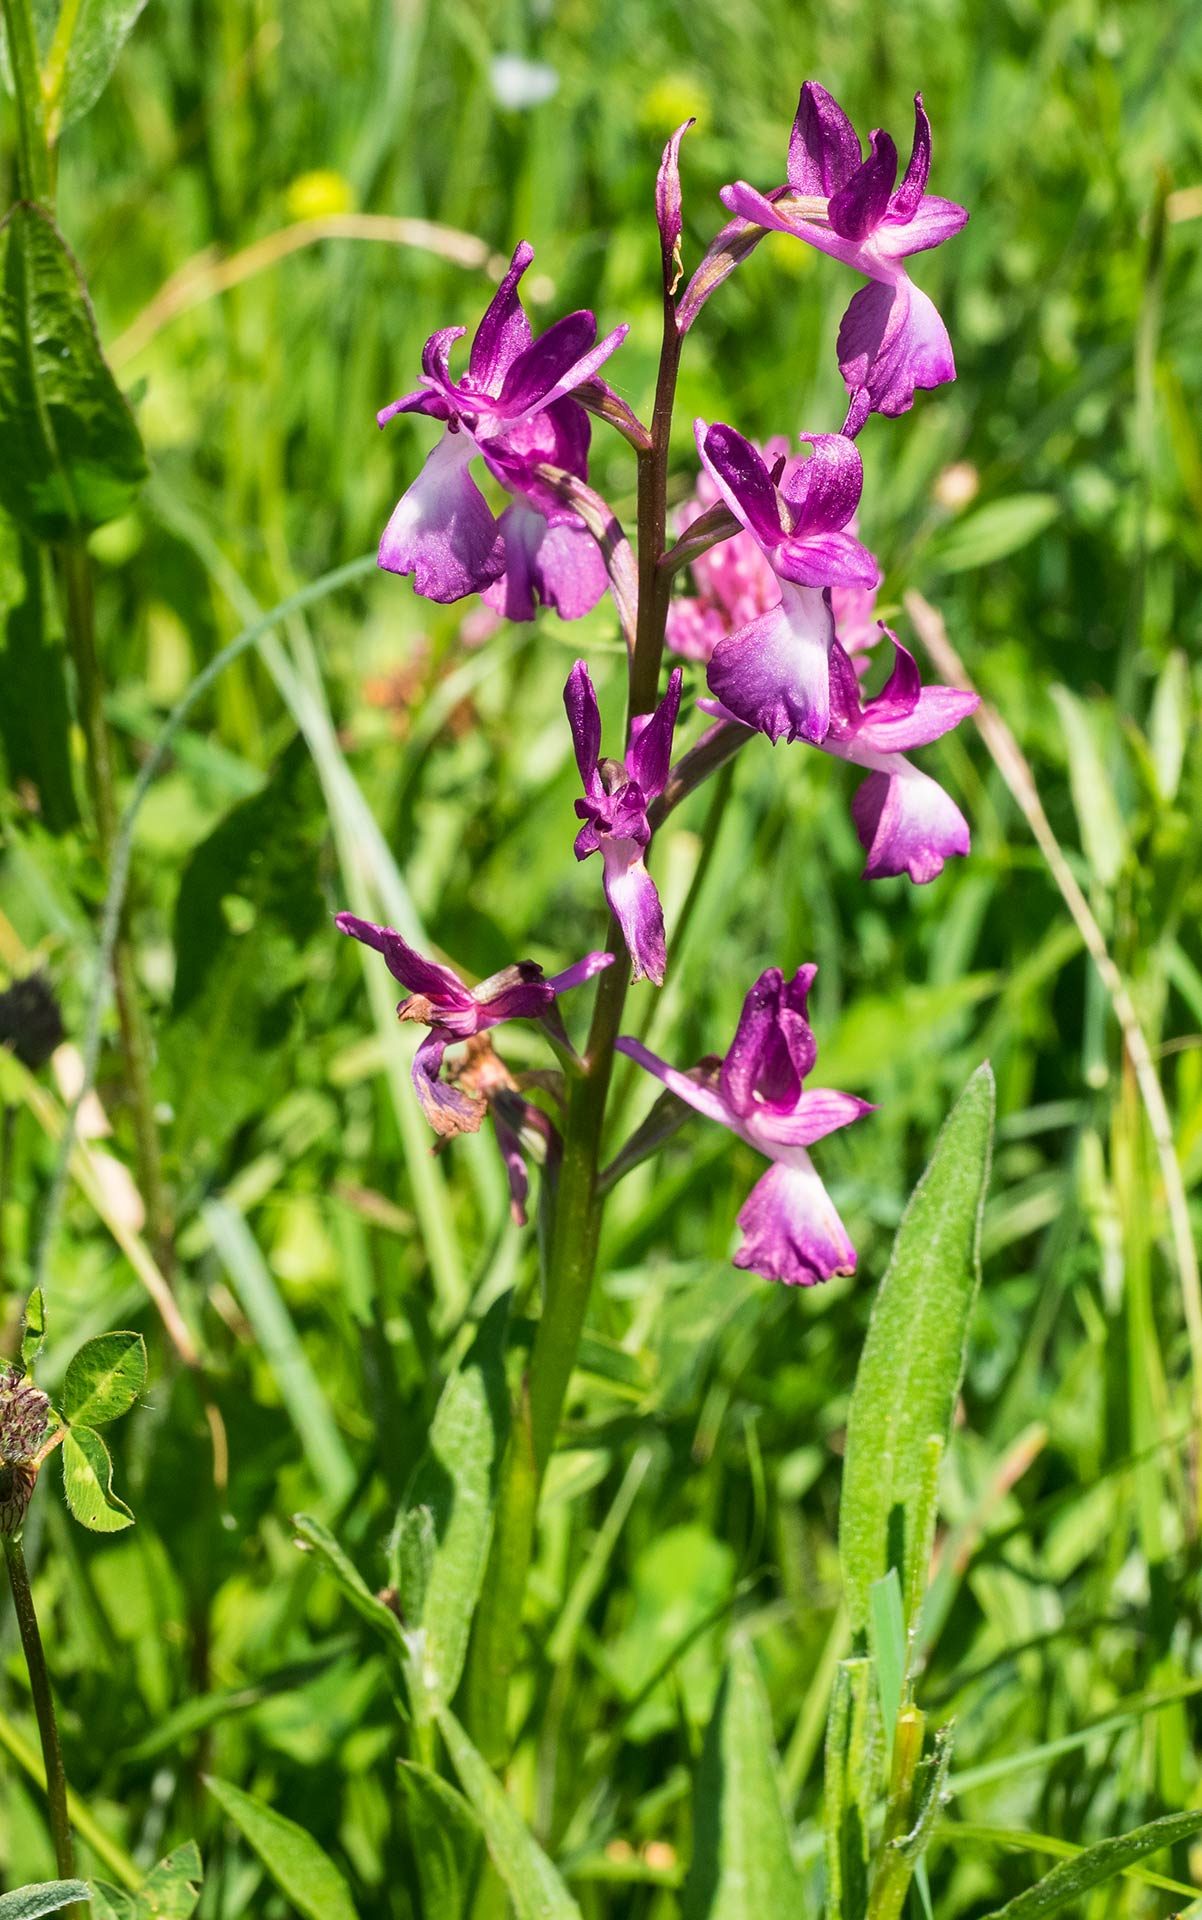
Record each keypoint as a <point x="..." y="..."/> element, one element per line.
<point x="614" y="810"/>
<point x="512" y="407"/>
<point x="905" y="820"/>
<point x="773" y="673"/>
<point x="892" y="339"/>
<point x="791" y="1231"/>
<point x="453" y="1011"/>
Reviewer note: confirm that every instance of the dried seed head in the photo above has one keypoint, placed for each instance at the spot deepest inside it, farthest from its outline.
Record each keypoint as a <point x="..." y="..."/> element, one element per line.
<point x="24" y="1423"/>
<point x="31" y="1025"/>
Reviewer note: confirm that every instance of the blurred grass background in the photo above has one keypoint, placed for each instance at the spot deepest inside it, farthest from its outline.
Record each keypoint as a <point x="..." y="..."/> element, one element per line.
<point x="1048" y="503"/>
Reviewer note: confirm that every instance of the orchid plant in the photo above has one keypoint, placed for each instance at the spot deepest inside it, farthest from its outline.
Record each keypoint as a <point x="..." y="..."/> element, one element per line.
<point x="781" y="619"/>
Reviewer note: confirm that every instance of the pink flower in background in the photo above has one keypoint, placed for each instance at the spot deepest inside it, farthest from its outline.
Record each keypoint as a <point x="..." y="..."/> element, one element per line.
<point x="735" y="584"/>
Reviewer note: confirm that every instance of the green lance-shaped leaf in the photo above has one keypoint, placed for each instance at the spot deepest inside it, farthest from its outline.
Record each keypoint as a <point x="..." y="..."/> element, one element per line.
<point x="104" y="1379"/>
<point x="446" y="1841"/>
<point x="456" y="1481"/>
<point x="29" y="1903"/>
<point x="1065" y="1885"/>
<point x="171" y="1890"/>
<point x="113" y="1903"/>
<point x="302" y="1870"/>
<point x="991" y="532"/>
<point x="743" y="1866"/>
<point x="321" y="1542"/>
<point x="86" y="46"/>
<point x="72" y="453"/>
<point x="534" y="1886"/>
<point x="913" y="1360"/>
<point x="35" y="710"/>
<point x="33" y="1333"/>
<point x="853" y="1762"/>
<point x="88" y="1483"/>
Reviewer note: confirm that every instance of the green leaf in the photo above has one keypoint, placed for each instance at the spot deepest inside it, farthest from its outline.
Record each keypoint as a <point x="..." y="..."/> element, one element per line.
<point x="104" y="1379"/>
<point x="993" y="531"/>
<point x="913" y="1359"/>
<point x="171" y="1890"/>
<point x="113" y="1903"/>
<point x="101" y="29"/>
<point x="1169" y="723"/>
<point x="301" y="1869"/>
<point x="1103" y="835"/>
<point x="887" y="1638"/>
<point x="534" y="1885"/>
<point x="1066" y="1884"/>
<point x="342" y="1569"/>
<point x="445" y="1839"/>
<point x="743" y="1866"/>
<point x="29" y="1903"/>
<point x="457" y="1482"/>
<point x="33" y="1333"/>
<point x="88" y="1483"/>
<point x="852" y="1768"/>
<point x="35" y="712"/>
<point x="73" y="455"/>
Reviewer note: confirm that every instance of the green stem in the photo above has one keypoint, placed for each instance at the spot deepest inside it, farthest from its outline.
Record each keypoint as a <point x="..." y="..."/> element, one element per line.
<point x="135" y="1038"/>
<point x="577" y="1224"/>
<point x="43" y="1705"/>
<point x="35" y="170"/>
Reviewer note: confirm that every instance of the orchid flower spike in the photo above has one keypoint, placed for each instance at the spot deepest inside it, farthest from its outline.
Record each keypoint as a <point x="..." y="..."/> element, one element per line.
<point x="454" y="1011"/>
<point x="791" y="1231"/>
<point x="614" y="810"/>
<point x="773" y="674"/>
<point x="513" y="407"/>
<point x="892" y="339"/>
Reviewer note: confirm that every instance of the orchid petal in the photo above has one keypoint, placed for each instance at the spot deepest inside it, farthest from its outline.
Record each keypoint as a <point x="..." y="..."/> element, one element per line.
<point x="635" y="904"/>
<point x="907" y="823"/>
<point x="649" y="757"/>
<point x="824" y="147"/>
<point x="791" y="1231"/>
<point x="504" y="331"/>
<point x="584" y="720"/>
<point x="862" y="202"/>
<point x="442" y="529"/>
<point x="774" y="673"/>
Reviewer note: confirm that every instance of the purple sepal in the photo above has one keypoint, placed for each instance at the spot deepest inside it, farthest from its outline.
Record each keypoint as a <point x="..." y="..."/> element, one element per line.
<point x="668" y="207"/>
<point x="824" y="147"/>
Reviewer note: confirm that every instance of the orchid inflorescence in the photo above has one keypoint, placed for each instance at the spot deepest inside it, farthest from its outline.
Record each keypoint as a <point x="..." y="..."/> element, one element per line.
<point x="782" y="619"/>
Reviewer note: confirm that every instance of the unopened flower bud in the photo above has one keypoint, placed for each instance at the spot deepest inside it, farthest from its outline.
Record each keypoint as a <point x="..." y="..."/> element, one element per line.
<point x="24" y="1423"/>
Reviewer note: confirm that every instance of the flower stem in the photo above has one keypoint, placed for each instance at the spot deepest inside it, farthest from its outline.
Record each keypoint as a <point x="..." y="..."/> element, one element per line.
<point x="43" y="1705"/>
<point x="578" y="1206"/>
<point x="135" y="1038"/>
<point x="35" y="166"/>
